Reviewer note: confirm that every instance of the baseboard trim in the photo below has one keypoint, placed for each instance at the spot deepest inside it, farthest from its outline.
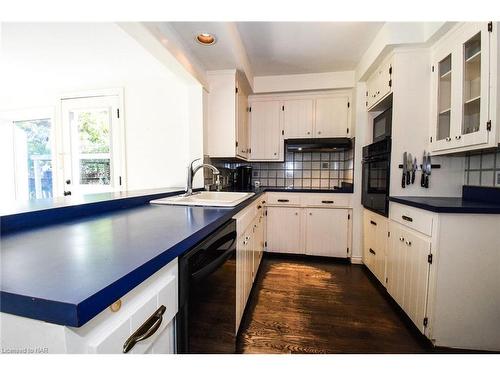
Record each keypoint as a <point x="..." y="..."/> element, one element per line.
<point x="356" y="260"/>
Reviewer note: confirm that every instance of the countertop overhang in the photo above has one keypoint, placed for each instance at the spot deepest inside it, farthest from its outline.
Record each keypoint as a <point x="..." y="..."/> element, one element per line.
<point x="69" y="271"/>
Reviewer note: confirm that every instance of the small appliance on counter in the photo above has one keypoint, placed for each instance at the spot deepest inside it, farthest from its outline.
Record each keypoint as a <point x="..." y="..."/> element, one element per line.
<point x="243" y="177"/>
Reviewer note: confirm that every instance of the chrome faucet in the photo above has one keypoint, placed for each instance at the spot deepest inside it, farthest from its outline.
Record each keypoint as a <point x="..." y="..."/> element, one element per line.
<point x="192" y="173"/>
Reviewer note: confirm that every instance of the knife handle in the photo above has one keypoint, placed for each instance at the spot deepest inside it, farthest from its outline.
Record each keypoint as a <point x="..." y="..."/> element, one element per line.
<point x="422" y="180"/>
<point x="403" y="181"/>
<point x="413" y="177"/>
<point x="426" y="181"/>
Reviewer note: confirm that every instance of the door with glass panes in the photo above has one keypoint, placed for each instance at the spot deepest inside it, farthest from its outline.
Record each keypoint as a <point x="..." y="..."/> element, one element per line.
<point x="92" y="151"/>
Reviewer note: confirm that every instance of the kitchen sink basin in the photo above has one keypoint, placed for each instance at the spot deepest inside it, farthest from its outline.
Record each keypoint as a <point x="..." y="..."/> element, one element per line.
<point x="206" y="198"/>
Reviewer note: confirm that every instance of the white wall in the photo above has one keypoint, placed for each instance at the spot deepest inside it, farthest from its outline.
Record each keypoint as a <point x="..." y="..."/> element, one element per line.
<point x="41" y="61"/>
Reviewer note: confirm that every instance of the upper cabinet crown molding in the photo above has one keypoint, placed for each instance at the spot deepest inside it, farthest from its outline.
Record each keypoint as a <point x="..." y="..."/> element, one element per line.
<point x="464" y="89"/>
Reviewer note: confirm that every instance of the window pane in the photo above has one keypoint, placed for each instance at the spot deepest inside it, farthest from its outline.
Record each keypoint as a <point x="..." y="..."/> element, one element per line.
<point x="95" y="171"/>
<point x="93" y="129"/>
<point x="32" y="143"/>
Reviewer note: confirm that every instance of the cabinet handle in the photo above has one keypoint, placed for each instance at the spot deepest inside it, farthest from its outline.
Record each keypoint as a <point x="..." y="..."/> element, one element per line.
<point x="401" y="239"/>
<point x="283" y="200"/>
<point x="328" y="202"/>
<point x="448" y="139"/>
<point x="408" y="243"/>
<point x="308" y="132"/>
<point x="373" y="223"/>
<point x="457" y="137"/>
<point x="275" y="154"/>
<point x="147" y="329"/>
<point x="259" y="207"/>
<point x="319" y="132"/>
<point x="296" y="213"/>
<point x="407" y="218"/>
<point x="372" y="251"/>
<point x="310" y="213"/>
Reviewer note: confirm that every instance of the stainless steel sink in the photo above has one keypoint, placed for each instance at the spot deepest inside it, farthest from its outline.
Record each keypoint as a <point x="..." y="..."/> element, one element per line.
<point x="206" y="198"/>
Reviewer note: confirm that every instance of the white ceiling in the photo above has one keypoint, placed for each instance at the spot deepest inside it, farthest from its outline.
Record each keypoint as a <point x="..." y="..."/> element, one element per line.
<point x="277" y="48"/>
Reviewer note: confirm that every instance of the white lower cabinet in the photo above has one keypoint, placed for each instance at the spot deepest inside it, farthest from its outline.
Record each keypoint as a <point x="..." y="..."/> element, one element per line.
<point x="284" y="230"/>
<point x="110" y="329"/>
<point x="308" y="223"/>
<point x="326" y="232"/>
<point x="250" y="227"/>
<point x="408" y="272"/>
<point x="375" y="244"/>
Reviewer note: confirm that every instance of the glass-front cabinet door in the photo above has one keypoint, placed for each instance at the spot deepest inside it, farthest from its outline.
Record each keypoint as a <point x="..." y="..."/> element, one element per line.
<point x="474" y="59"/>
<point x="461" y="89"/>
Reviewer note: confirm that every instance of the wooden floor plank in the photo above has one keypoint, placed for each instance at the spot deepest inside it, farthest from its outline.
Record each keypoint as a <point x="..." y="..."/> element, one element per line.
<point x="319" y="306"/>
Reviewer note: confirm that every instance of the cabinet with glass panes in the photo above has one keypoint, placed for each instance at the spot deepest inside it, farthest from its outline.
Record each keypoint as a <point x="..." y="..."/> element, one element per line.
<point x="462" y="108"/>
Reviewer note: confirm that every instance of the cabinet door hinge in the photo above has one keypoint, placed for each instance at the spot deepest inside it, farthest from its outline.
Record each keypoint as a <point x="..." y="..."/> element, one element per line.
<point x="490" y="26"/>
<point x="366" y="94"/>
<point x="249" y="150"/>
<point x="348" y="216"/>
<point x="282" y="107"/>
<point x="388" y="234"/>
<point x="386" y="280"/>
<point x="120" y="180"/>
<point x="426" y="321"/>
<point x="282" y="132"/>
<point x="431" y="139"/>
<point x="236" y="143"/>
<point x="236" y="90"/>
<point x="118" y="113"/>
<point x="366" y="104"/>
<point x="265" y="243"/>
<point x="348" y="105"/>
<point x="249" y="109"/>
<point x="432" y="69"/>
<point x="390" y="83"/>
<point x="347" y="250"/>
<point x="266" y="215"/>
<point x="429" y="258"/>
<point x="390" y="69"/>
<point x="488" y="125"/>
<point x="347" y="130"/>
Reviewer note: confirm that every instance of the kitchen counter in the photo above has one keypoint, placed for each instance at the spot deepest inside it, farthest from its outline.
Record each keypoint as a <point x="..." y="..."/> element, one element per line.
<point x="68" y="270"/>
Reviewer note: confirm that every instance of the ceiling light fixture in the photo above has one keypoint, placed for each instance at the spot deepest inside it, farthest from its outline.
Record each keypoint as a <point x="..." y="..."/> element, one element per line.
<point x="206" y="39"/>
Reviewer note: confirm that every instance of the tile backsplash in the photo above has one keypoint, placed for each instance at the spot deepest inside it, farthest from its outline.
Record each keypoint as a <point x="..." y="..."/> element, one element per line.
<point x="302" y="170"/>
<point x="483" y="169"/>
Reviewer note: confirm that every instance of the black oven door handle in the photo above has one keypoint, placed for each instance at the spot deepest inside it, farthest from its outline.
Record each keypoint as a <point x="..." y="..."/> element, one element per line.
<point x="212" y="266"/>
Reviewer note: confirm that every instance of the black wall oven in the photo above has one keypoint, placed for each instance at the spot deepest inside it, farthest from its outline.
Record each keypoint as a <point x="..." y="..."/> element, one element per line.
<point x="206" y="321"/>
<point x="376" y="166"/>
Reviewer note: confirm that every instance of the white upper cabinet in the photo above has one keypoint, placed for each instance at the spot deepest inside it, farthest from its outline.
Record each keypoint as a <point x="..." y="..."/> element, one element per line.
<point x="332" y="117"/>
<point x="227" y="129"/>
<point x="266" y="135"/>
<point x="462" y="88"/>
<point x="379" y="85"/>
<point x="298" y="118"/>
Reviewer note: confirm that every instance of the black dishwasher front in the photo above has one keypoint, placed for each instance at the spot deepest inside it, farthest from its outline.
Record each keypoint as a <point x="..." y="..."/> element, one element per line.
<point x="206" y="321"/>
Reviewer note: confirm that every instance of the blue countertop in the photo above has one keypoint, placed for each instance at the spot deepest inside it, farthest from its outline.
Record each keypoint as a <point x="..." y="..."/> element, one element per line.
<point x="65" y="270"/>
<point x="456" y="205"/>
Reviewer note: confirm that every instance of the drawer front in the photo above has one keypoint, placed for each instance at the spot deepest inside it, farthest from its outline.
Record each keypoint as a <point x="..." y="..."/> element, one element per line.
<point x="326" y="200"/>
<point x="413" y="218"/>
<point x="283" y="199"/>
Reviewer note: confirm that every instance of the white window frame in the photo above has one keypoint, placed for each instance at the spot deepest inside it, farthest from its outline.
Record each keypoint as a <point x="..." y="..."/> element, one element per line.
<point x="35" y="113"/>
<point x="119" y="133"/>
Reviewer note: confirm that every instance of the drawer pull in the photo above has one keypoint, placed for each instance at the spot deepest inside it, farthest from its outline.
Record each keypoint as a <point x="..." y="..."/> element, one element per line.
<point x="373" y="223"/>
<point x="407" y="218"/>
<point x="328" y="202"/>
<point x="372" y="251"/>
<point x="147" y="329"/>
<point x="401" y="239"/>
<point x="283" y="200"/>
<point x="408" y="243"/>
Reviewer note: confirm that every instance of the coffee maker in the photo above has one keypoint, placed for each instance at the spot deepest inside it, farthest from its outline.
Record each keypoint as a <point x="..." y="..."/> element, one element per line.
<point x="243" y="177"/>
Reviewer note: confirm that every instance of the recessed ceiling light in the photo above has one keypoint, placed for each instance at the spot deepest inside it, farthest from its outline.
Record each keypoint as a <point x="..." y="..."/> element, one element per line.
<point x="206" y="39"/>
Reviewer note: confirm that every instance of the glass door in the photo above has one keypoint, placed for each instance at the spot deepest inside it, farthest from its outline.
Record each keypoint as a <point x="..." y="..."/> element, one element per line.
<point x="475" y="85"/>
<point x="92" y="148"/>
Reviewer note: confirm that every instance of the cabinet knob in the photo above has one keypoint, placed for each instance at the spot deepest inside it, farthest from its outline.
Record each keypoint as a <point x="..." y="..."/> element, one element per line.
<point x="310" y="213"/>
<point x="308" y="132"/>
<point x="458" y="137"/>
<point x="296" y="213"/>
<point x="319" y="132"/>
<point x="275" y="154"/>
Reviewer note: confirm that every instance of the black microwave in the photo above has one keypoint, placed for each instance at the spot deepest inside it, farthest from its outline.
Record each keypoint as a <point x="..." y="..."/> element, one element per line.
<point x="382" y="125"/>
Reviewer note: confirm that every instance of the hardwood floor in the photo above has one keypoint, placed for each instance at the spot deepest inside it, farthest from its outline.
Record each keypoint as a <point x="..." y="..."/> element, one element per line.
<point x="319" y="306"/>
